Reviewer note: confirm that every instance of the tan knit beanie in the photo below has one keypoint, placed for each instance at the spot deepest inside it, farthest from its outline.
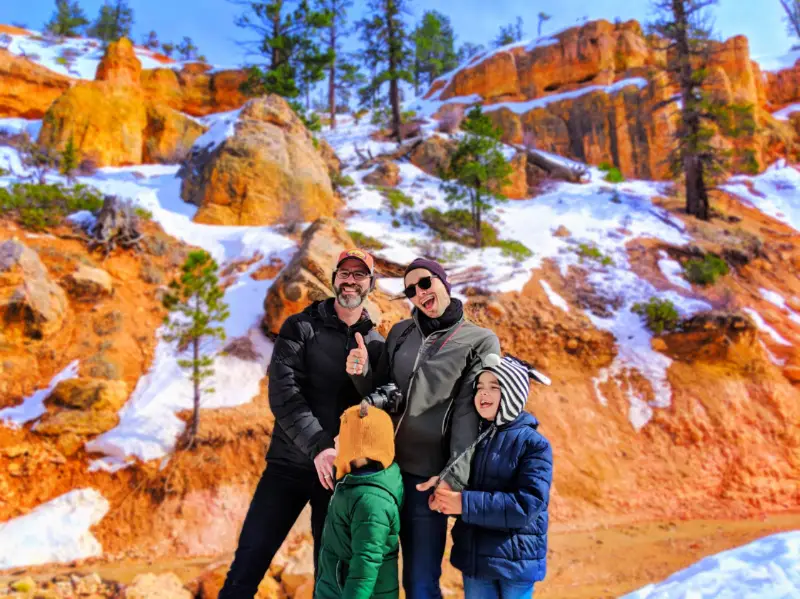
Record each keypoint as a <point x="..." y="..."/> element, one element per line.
<point x="365" y="432"/>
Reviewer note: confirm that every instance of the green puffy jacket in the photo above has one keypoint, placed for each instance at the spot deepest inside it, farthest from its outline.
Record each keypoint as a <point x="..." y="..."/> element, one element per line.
<point x="358" y="557"/>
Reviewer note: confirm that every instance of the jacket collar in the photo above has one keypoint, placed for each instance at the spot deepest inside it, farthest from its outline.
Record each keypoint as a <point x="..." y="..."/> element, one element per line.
<point x="325" y="312"/>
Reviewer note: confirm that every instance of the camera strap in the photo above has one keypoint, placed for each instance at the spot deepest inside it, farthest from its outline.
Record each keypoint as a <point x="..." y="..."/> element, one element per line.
<point x="432" y="350"/>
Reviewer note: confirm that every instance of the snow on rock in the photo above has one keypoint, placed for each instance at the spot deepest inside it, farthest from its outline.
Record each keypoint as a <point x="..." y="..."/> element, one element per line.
<point x="543" y="102"/>
<point x="32" y="407"/>
<point x="221" y="126"/>
<point x="763" y="326"/>
<point x="776" y="192"/>
<point x="554" y="298"/>
<point x="73" y="57"/>
<point x="57" y="531"/>
<point x="776" y="299"/>
<point x="672" y="271"/>
<point x="768" y="568"/>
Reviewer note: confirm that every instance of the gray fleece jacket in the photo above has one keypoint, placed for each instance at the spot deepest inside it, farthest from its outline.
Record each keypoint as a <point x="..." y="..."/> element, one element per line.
<point x="439" y="420"/>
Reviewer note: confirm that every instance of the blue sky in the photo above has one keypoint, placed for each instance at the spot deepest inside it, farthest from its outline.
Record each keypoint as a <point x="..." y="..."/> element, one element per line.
<point x="210" y="22"/>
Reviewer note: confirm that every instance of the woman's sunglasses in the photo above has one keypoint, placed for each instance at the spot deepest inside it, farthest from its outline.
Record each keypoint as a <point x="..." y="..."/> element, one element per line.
<point x="423" y="283"/>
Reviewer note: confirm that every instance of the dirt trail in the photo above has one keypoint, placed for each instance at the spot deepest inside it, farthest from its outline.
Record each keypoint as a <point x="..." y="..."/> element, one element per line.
<point x="594" y="564"/>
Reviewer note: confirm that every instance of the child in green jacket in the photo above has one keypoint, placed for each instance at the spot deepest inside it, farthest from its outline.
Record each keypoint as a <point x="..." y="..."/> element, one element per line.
<point x="358" y="556"/>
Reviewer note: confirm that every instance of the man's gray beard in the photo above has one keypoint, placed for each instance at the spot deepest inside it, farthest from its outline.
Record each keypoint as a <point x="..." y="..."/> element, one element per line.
<point x="352" y="301"/>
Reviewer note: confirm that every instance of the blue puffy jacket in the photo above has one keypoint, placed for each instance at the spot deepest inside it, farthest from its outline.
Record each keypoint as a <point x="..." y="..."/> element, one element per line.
<point x="502" y="531"/>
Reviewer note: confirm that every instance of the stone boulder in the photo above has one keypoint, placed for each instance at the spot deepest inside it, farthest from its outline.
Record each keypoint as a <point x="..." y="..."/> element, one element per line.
<point x="120" y="65"/>
<point x="267" y="172"/>
<point x="169" y="135"/>
<point x="194" y="90"/>
<point x="156" y="586"/>
<point x="83" y="407"/>
<point x="433" y="154"/>
<point x="31" y="304"/>
<point x="210" y="584"/>
<point x="113" y="120"/>
<point x="385" y="174"/>
<point x="88" y="283"/>
<point x="308" y="278"/>
<point x="331" y="159"/>
<point x="27" y="89"/>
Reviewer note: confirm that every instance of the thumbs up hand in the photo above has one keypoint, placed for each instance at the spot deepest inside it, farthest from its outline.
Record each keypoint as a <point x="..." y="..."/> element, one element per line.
<point x="358" y="360"/>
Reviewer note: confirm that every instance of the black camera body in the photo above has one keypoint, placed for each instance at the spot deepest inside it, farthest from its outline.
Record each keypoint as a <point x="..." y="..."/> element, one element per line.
<point x="387" y="398"/>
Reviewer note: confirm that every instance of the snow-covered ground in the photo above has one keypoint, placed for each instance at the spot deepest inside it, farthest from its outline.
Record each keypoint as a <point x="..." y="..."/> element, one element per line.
<point x="79" y="57"/>
<point x="776" y="192"/>
<point x="768" y="568"/>
<point x="56" y="531"/>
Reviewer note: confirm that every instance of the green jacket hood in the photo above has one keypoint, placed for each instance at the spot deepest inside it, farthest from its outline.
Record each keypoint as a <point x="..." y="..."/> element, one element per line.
<point x="388" y="479"/>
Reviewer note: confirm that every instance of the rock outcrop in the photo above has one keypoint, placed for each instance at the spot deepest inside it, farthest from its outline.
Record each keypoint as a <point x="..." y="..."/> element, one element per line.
<point x="385" y="174"/>
<point x="783" y="87"/>
<point x="269" y="171"/>
<point x="31" y="304"/>
<point x="27" y="89"/>
<point x="88" y="283"/>
<point x="308" y="277"/>
<point x="194" y="90"/>
<point x="83" y="407"/>
<point x="113" y="121"/>
<point x="600" y="93"/>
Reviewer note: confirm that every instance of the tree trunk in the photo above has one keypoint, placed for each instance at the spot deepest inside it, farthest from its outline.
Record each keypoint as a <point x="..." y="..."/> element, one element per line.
<point x="196" y="376"/>
<point x="276" y="31"/>
<point x="691" y="125"/>
<point x="394" y="88"/>
<point x="477" y="221"/>
<point x="332" y="74"/>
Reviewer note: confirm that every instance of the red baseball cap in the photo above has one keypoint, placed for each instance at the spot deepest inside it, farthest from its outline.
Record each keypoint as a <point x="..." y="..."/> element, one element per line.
<point x="357" y="254"/>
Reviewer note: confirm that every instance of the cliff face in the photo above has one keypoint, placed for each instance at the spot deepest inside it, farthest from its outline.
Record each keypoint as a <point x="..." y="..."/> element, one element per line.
<point x="600" y="93"/>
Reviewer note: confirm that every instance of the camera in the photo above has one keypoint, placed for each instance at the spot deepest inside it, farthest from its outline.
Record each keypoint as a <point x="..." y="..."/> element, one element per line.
<point x="387" y="398"/>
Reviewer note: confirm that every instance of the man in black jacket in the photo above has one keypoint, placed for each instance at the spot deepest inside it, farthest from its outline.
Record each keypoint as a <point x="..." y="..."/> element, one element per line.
<point x="308" y="391"/>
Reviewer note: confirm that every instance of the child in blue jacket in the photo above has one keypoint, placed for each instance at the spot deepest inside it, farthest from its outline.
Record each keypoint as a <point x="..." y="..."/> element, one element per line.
<point x="500" y="537"/>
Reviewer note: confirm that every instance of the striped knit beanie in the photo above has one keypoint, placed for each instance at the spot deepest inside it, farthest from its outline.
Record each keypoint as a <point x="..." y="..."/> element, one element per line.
<point x="514" y="378"/>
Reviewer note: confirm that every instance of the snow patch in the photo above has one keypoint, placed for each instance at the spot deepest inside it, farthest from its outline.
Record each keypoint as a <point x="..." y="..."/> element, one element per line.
<point x="776" y="192"/>
<point x="57" y="531"/>
<point x="785" y="113"/>
<point x="221" y="127"/>
<point x="18" y="126"/>
<point x="555" y="299"/>
<point x="672" y="271"/>
<point x="32" y="407"/>
<point x="764" y="569"/>
<point x="763" y="326"/>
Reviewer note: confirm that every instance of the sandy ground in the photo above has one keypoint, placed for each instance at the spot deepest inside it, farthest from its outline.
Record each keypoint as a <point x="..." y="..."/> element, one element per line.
<point x="601" y="563"/>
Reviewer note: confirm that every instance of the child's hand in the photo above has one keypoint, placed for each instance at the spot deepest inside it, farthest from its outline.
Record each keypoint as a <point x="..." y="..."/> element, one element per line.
<point x="446" y="501"/>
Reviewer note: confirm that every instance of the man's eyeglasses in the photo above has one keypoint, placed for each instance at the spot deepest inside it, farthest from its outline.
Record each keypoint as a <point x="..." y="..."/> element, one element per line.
<point x="358" y="275"/>
<point x="423" y="283"/>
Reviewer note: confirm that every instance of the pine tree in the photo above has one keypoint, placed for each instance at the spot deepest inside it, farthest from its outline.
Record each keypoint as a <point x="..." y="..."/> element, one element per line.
<point x="467" y="50"/>
<point x="195" y="304"/>
<point x="336" y="10"/>
<point x="682" y="24"/>
<point x="68" y="20"/>
<point x="543" y="17"/>
<point x="434" y="45"/>
<point x="478" y="170"/>
<point x="36" y="158"/>
<point x="150" y="41"/>
<point x="186" y="49"/>
<point x="792" y="10"/>
<point x="289" y="41"/>
<point x="69" y="160"/>
<point x="348" y="79"/>
<point x="509" y="34"/>
<point x="168" y="48"/>
<point x="113" y="22"/>
<point x="387" y="54"/>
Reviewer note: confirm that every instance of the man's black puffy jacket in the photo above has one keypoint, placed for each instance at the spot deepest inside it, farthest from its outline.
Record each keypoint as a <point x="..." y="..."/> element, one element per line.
<point x="309" y="387"/>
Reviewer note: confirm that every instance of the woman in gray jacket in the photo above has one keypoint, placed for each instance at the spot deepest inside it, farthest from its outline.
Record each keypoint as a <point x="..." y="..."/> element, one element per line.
<point x="433" y="358"/>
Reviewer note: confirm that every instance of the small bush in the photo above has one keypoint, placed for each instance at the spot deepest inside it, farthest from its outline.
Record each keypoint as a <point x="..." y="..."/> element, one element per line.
<point x="613" y="174"/>
<point x="749" y="162"/>
<point x="591" y="252"/>
<point x="143" y="213"/>
<point x="339" y="181"/>
<point x="705" y="271"/>
<point x="103" y="368"/>
<point x="108" y="323"/>
<point x="62" y="60"/>
<point x="365" y="241"/>
<point x="514" y="249"/>
<point x="4" y="172"/>
<point x="36" y="206"/>
<point x="396" y="199"/>
<point x="87" y="167"/>
<point x="660" y="315"/>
